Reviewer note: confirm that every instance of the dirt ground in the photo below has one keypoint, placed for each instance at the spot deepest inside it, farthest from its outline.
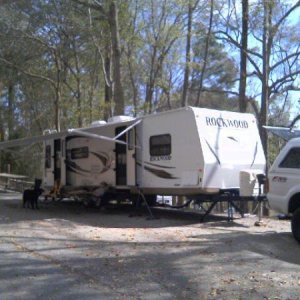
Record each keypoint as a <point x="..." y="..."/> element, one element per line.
<point x="66" y="251"/>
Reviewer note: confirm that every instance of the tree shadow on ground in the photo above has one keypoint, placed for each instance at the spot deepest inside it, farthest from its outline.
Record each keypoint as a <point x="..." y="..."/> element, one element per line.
<point x="164" y="270"/>
<point x="108" y="216"/>
<point x="70" y="267"/>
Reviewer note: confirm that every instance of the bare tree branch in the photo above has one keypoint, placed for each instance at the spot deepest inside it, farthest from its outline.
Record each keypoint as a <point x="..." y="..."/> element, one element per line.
<point x="231" y="40"/>
<point x="97" y="6"/>
<point x="108" y="80"/>
<point x="39" y="76"/>
<point x="296" y="119"/>
<point x="276" y="26"/>
<point x="208" y="90"/>
<point x="284" y="79"/>
<point x="295" y="55"/>
<point x="235" y="43"/>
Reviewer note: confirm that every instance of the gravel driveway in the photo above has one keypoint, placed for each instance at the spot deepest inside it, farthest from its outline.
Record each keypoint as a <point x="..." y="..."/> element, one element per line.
<point x="66" y="251"/>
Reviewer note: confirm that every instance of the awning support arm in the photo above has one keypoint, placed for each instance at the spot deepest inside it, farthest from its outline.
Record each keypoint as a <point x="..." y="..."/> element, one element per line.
<point x="127" y="129"/>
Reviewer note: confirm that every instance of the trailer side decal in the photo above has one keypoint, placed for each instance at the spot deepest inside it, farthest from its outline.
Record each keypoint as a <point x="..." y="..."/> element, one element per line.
<point x="213" y="152"/>
<point x="233" y="138"/>
<point x="159" y="166"/>
<point x="255" y="153"/>
<point x="159" y="173"/>
<point x="105" y="160"/>
<point x="103" y="157"/>
<point x="73" y="167"/>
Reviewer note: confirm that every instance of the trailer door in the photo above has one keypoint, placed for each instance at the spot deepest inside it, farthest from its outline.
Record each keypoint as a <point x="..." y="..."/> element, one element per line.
<point x="131" y="165"/>
<point x="48" y="175"/>
<point x="121" y="158"/>
<point x="125" y="158"/>
<point x="57" y="160"/>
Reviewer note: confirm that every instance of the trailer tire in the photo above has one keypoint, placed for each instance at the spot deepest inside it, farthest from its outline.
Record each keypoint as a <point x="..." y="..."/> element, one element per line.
<point x="295" y="224"/>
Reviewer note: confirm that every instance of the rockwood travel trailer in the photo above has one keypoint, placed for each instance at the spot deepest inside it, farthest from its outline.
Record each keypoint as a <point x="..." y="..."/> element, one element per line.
<point x="189" y="151"/>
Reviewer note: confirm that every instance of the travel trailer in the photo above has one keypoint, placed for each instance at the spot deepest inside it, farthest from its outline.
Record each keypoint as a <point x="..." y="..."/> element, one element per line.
<point x="188" y="151"/>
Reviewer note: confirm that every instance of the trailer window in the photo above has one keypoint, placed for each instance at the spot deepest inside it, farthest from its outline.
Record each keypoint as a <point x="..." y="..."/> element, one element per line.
<point x="78" y="153"/>
<point x="160" y="145"/>
<point x="292" y="159"/>
<point x="48" y="157"/>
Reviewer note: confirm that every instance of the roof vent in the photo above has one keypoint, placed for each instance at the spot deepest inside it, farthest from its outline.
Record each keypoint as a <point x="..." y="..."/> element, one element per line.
<point x="49" y="131"/>
<point x="98" y="123"/>
<point x="118" y="119"/>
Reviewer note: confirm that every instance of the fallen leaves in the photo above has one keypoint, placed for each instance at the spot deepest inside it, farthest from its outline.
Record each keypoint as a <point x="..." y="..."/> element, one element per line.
<point x="215" y="292"/>
<point x="229" y="280"/>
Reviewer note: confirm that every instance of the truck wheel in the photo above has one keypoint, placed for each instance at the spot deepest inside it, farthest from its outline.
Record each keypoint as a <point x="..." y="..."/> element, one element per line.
<point x="296" y="225"/>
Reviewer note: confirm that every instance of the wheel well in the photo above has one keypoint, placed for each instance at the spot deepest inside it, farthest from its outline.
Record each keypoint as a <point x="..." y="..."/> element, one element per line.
<point x="294" y="203"/>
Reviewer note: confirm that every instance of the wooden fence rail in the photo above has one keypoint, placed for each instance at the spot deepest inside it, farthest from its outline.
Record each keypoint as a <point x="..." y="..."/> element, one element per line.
<point x="15" y="182"/>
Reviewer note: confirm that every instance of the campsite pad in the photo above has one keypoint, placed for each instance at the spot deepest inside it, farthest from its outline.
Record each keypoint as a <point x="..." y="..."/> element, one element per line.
<point x="66" y="251"/>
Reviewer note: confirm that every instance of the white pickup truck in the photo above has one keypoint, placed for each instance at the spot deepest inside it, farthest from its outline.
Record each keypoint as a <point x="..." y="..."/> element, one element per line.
<point x="284" y="184"/>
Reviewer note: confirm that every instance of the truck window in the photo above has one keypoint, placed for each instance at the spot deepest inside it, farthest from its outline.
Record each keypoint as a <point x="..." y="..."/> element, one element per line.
<point x="160" y="145"/>
<point x="291" y="160"/>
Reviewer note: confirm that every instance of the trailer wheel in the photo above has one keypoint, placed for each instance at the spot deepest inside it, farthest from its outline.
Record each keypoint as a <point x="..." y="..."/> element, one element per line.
<point x="296" y="225"/>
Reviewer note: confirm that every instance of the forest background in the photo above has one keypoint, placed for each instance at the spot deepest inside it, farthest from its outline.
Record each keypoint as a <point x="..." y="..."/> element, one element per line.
<point x="66" y="63"/>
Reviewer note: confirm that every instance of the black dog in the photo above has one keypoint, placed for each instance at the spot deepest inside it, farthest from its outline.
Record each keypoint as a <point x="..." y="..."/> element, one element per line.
<point x="30" y="196"/>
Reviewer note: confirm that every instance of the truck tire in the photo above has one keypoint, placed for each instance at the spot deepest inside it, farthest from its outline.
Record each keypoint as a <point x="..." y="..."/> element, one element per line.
<point x="296" y="225"/>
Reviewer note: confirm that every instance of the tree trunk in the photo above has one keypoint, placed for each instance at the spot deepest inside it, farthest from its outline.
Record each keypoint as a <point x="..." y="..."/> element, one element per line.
<point x="57" y="102"/>
<point x="10" y="117"/>
<point x="78" y="87"/>
<point x="9" y="161"/>
<point x="108" y="86"/>
<point x="205" y="53"/>
<point x="133" y="85"/>
<point x="150" y="83"/>
<point x="93" y="85"/>
<point x="57" y="109"/>
<point x="79" y="105"/>
<point x="185" y="90"/>
<point x="267" y="43"/>
<point x="1" y="139"/>
<point x="243" y="62"/>
<point x="149" y="96"/>
<point x="118" y="89"/>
